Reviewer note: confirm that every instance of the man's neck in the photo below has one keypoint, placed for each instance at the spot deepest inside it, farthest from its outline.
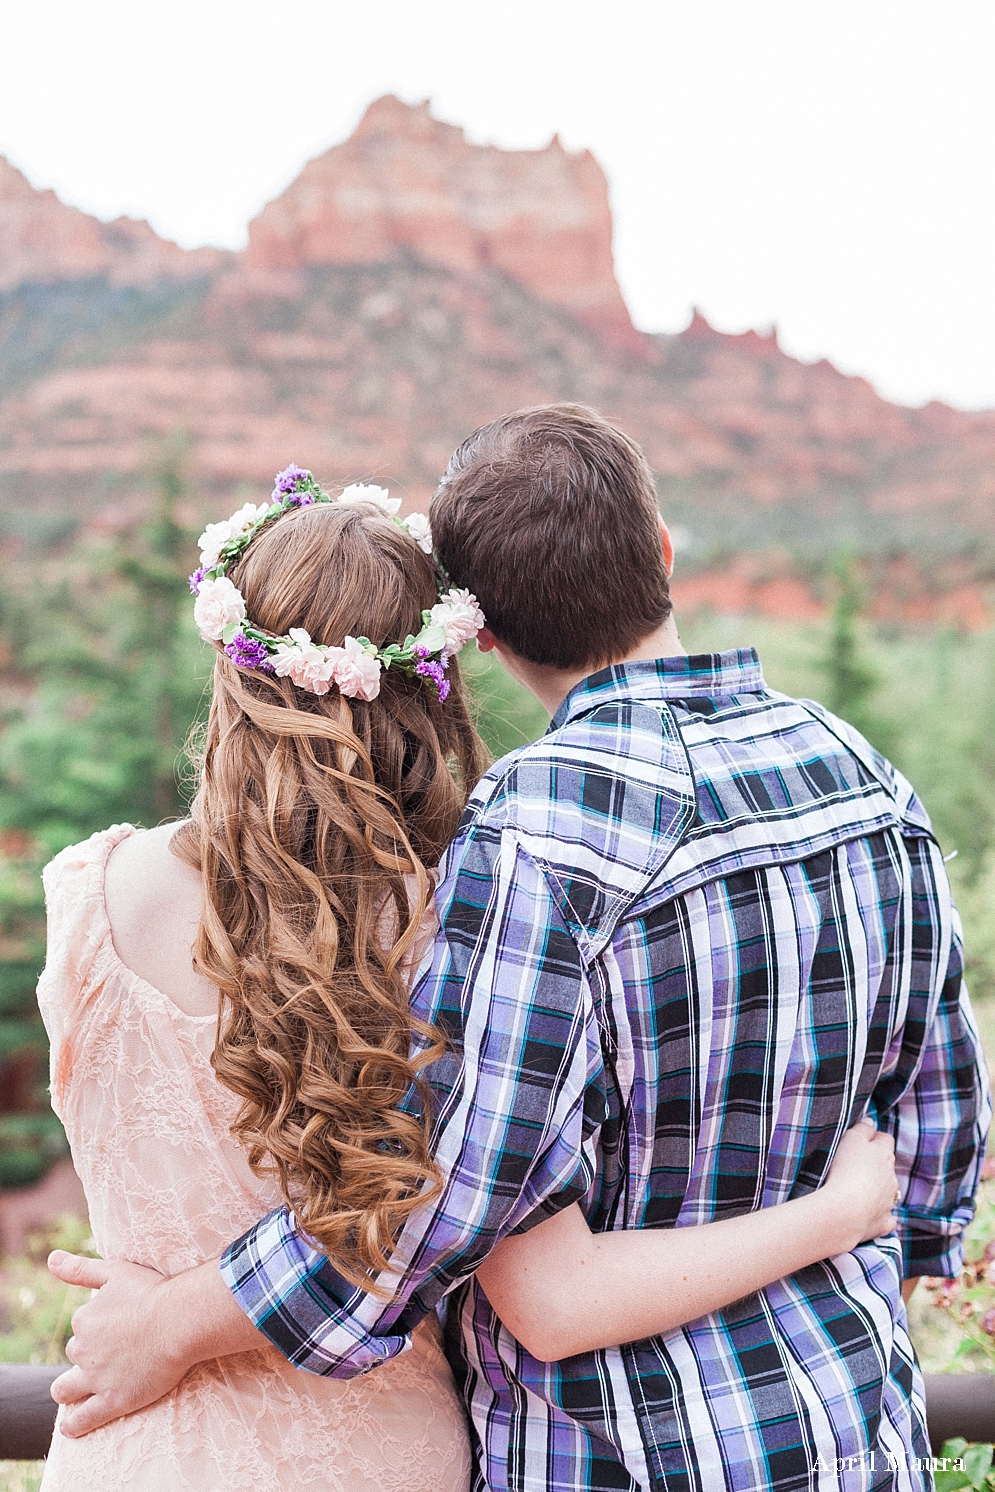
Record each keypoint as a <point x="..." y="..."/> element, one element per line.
<point x="552" y="685"/>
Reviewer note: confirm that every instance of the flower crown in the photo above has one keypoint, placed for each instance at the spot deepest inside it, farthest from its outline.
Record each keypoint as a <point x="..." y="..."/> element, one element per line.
<point x="356" y="667"/>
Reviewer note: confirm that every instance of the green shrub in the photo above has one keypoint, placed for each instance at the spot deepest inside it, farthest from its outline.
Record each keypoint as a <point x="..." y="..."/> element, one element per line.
<point x="973" y="1468"/>
<point x="506" y="714"/>
<point x="21" y="1476"/>
<point x="35" y="1308"/>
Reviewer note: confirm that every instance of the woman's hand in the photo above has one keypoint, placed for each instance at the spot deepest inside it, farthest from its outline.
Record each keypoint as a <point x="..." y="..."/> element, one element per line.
<point x="861" y="1189"/>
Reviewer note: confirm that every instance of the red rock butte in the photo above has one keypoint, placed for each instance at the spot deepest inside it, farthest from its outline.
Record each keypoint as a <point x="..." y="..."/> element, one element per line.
<point x="43" y="242"/>
<point x="405" y="180"/>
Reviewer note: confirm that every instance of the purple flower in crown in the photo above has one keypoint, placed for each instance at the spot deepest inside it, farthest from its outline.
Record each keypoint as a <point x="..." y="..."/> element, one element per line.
<point x="293" y="483"/>
<point x="196" y="578"/>
<point x="248" y="652"/>
<point x="429" y="669"/>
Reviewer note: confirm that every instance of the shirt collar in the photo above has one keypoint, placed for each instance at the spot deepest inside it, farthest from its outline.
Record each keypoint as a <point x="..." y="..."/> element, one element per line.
<point x="702" y="675"/>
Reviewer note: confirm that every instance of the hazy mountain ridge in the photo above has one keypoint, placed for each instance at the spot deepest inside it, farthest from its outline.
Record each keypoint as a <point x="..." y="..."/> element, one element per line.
<point x="408" y="286"/>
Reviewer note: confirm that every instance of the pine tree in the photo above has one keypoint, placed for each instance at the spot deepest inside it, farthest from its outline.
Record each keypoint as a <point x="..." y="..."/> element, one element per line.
<point x="851" y="681"/>
<point x="112" y="674"/>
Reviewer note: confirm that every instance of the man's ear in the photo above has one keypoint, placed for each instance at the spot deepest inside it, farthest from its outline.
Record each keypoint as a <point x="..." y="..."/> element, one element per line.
<point x="486" y="640"/>
<point x="668" y="549"/>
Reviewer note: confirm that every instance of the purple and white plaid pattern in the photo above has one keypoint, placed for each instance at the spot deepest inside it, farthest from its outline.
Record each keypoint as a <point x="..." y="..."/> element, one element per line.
<point x="688" y="938"/>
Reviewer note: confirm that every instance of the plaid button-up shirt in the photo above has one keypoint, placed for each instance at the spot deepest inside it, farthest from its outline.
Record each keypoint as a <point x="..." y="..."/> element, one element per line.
<point x="688" y="938"/>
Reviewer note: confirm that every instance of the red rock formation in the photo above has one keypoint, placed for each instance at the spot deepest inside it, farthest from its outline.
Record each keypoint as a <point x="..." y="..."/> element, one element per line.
<point x="406" y="288"/>
<point x="43" y="241"/>
<point x="407" y="181"/>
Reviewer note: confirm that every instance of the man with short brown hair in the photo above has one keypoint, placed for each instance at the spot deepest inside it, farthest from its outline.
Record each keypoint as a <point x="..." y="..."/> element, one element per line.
<point x="688" y="938"/>
<point x="552" y="503"/>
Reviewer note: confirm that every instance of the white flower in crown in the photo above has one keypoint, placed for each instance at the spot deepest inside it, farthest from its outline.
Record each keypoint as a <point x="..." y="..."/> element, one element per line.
<point x="461" y="617"/>
<point x="218" y="604"/>
<point x="217" y="535"/>
<point x="420" y="530"/>
<point x="378" y="496"/>
<point x="212" y="541"/>
<point x="247" y="517"/>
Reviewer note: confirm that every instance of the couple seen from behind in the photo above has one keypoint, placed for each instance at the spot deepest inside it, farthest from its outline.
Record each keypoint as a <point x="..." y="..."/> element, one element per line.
<point x="572" y="1124"/>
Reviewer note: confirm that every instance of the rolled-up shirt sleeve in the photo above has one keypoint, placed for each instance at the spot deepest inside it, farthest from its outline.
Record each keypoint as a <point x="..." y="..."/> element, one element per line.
<point x="518" y="1098"/>
<point x="936" y="1101"/>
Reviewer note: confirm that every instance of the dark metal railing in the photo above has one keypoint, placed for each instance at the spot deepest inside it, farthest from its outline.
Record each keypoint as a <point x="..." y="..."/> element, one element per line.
<point x="956" y="1404"/>
<point x="27" y="1413"/>
<point x="960" y="1404"/>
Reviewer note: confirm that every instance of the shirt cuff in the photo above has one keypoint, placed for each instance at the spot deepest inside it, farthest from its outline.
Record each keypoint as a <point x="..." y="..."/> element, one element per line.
<point x="932" y="1245"/>
<point x="291" y="1293"/>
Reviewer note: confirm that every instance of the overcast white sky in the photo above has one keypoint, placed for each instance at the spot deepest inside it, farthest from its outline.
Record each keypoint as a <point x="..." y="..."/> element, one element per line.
<point x="823" y="164"/>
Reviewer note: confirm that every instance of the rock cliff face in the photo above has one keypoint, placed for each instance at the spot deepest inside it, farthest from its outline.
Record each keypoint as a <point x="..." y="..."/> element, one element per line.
<point x="409" y="286"/>
<point x="43" y="242"/>
<point x="406" y="181"/>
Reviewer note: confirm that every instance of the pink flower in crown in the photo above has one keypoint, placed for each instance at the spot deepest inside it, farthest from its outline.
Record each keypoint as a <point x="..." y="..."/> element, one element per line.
<point x="218" y="604"/>
<point x="305" y="663"/>
<point x="462" y="618"/>
<point x="357" y="672"/>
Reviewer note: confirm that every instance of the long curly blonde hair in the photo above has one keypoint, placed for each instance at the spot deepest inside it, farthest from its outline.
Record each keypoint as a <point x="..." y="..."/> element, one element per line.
<point x="314" y="828"/>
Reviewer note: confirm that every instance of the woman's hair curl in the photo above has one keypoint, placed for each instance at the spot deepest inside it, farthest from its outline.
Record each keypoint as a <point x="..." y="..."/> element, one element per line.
<point x="314" y="826"/>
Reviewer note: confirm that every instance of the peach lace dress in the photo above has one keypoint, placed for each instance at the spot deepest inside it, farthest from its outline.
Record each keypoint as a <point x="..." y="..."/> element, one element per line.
<point x="168" y="1187"/>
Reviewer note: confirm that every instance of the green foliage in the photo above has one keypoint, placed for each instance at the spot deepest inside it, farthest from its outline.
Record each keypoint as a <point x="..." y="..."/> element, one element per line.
<point x="35" y="1314"/>
<point x="968" y="1302"/>
<point x="507" y="715"/>
<point x="36" y="1309"/>
<point x="975" y="897"/>
<point x="30" y="1142"/>
<point x="850" y="681"/>
<point x="976" y="1461"/>
<point x="31" y="1136"/>
<point x="109" y="675"/>
<point x="21" y="1476"/>
<point x="113" y="657"/>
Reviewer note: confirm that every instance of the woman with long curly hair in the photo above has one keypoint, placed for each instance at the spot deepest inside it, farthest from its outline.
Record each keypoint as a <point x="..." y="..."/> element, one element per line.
<point x="228" y="1006"/>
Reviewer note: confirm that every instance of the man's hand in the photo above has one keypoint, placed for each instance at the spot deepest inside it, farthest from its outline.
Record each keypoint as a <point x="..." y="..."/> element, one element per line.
<point x="138" y="1335"/>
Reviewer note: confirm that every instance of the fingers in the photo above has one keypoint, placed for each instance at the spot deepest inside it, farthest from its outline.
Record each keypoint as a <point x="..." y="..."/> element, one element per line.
<point x="80" y="1419"/>
<point x="866" y="1132"/>
<point x="869" y="1130"/>
<point x="880" y="1227"/>
<point x="75" y="1270"/>
<point x="83" y="1411"/>
<point x="70" y="1387"/>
